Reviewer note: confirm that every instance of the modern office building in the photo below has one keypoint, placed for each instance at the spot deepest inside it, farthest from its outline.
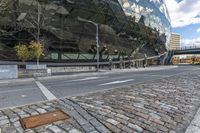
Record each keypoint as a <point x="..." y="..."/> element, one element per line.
<point x="175" y="41"/>
<point x="127" y="28"/>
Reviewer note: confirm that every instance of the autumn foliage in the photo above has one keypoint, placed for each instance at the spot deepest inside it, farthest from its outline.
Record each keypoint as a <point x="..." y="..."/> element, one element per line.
<point x="34" y="51"/>
<point x="22" y="52"/>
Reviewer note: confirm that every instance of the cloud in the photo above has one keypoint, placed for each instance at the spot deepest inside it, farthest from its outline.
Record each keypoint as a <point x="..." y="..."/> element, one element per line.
<point x="198" y="30"/>
<point x="183" y="13"/>
<point x="190" y="42"/>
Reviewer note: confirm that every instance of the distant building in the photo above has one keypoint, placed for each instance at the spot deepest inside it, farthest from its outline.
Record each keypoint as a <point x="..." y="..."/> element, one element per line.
<point x="175" y="41"/>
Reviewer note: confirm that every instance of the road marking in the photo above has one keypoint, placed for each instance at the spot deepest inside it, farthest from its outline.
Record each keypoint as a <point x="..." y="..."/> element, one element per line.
<point x="159" y="76"/>
<point x="45" y="91"/>
<point x="17" y="90"/>
<point x="116" y="82"/>
<point x="23" y="96"/>
<point x="84" y="79"/>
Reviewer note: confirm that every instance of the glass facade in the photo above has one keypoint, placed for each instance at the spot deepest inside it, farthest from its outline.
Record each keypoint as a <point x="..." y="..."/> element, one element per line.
<point x="127" y="28"/>
<point x="154" y="11"/>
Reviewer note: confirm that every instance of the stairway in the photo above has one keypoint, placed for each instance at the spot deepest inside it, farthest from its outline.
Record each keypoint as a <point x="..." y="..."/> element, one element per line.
<point x="168" y="61"/>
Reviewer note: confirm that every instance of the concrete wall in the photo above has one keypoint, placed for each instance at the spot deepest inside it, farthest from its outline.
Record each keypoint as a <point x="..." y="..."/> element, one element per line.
<point x="8" y="71"/>
<point x="71" y="69"/>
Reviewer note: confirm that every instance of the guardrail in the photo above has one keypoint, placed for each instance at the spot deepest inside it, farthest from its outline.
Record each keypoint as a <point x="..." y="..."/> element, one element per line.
<point x="187" y="48"/>
<point x="79" y="63"/>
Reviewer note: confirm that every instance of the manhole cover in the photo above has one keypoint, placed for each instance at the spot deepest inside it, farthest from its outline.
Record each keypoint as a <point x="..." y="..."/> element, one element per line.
<point x="43" y="119"/>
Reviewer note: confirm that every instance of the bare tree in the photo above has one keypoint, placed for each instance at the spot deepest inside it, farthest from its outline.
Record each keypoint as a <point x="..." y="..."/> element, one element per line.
<point x="32" y="18"/>
<point x="3" y="5"/>
<point x="39" y="16"/>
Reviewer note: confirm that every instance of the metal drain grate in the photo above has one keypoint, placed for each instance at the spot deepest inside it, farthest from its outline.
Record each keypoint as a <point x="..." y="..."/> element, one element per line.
<point x="43" y="119"/>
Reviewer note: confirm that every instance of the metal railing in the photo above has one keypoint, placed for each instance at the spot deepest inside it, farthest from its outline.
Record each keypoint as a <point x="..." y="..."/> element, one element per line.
<point x="187" y="48"/>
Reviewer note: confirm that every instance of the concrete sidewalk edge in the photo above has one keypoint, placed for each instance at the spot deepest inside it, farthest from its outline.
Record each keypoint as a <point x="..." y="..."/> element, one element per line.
<point x="102" y="72"/>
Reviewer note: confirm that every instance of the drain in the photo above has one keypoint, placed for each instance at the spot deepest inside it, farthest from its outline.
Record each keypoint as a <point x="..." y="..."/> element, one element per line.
<point x="43" y="119"/>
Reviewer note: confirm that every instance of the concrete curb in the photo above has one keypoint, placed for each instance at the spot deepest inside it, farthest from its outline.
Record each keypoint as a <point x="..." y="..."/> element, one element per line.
<point x="17" y="80"/>
<point x="194" y="126"/>
<point x="103" y="72"/>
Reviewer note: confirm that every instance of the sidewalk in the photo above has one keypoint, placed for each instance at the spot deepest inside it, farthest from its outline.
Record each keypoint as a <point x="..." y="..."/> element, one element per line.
<point x="101" y="72"/>
<point x="166" y="105"/>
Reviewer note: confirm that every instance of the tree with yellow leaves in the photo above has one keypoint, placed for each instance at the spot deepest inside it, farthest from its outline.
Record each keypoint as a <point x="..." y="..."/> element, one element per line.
<point x="22" y="52"/>
<point x="37" y="50"/>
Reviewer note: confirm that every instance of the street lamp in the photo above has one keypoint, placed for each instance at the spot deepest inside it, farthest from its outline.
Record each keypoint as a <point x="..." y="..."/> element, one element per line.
<point x="97" y="37"/>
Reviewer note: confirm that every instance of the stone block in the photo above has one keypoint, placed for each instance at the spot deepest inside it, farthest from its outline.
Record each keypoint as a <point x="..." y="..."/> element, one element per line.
<point x="36" y="67"/>
<point x="8" y="71"/>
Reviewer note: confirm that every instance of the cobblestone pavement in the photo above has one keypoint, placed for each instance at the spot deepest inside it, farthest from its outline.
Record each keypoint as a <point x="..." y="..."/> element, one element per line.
<point x="165" y="105"/>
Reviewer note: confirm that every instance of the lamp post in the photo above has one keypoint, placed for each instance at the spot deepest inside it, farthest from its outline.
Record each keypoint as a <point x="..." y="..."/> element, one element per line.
<point x="97" y="37"/>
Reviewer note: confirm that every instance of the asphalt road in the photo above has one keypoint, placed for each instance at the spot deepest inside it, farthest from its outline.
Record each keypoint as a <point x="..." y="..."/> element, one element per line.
<point x="17" y="94"/>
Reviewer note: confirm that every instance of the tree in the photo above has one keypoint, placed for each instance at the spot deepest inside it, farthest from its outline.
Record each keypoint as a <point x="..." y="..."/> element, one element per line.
<point x="34" y="17"/>
<point x="37" y="50"/>
<point x="4" y="5"/>
<point x="22" y="52"/>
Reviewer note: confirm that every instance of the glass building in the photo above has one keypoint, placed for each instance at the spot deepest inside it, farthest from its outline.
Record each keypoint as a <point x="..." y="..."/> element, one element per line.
<point x="128" y="29"/>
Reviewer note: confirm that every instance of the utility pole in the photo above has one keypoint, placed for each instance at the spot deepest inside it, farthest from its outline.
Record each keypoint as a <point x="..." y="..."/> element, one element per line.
<point x="97" y="37"/>
<point x="38" y="21"/>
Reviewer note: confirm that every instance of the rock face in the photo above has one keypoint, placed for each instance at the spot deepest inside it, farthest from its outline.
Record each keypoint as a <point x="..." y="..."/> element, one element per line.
<point x="55" y="24"/>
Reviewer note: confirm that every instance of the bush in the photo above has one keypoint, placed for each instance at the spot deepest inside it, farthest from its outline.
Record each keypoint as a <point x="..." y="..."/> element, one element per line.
<point x="36" y="50"/>
<point x="22" y="52"/>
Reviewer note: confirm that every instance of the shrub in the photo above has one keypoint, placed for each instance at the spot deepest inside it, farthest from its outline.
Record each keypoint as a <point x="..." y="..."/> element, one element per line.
<point x="36" y="50"/>
<point x="22" y="52"/>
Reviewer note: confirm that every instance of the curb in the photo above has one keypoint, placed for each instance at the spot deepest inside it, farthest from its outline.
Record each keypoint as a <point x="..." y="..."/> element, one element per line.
<point x="103" y="72"/>
<point x="16" y="80"/>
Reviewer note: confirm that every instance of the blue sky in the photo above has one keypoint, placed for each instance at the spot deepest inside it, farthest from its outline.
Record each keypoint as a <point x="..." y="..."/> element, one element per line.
<point x="185" y="19"/>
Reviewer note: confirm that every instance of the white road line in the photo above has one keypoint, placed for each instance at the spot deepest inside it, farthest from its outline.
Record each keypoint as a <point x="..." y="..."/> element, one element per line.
<point x="84" y="79"/>
<point x="17" y="90"/>
<point x="158" y="76"/>
<point x="116" y="82"/>
<point x="45" y="91"/>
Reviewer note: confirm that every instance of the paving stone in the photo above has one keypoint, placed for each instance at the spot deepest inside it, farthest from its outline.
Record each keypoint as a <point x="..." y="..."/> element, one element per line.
<point x="127" y="129"/>
<point x="29" y="131"/>
<point x="41" y="111"/>
<point x="135" y="127"/>
<point x="94" y="132"/>
<point x="155" y="116"/>
<point x="42" y="128"/>
<point x="102" y="129"/>
<point x="80" y="119"/>
<point x="3" y="117"/>
<point x="65" y="126"/>
<point x="95" y="123"/>
<point x="157" y="121"/>
<point x="24" y="115"/>
<point x="55" y="129"/>
<point x="114" y="122"/>
<point x="88" y="128"/>
<point x="17" y="124"/>
<point x="74" y="131"/>
<point x="123" y="117"/>
<point x="20" y="130"/>
<point x="172" y="131"/>
<point x="8" y="130"/>
<point x="4" y="122"/>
